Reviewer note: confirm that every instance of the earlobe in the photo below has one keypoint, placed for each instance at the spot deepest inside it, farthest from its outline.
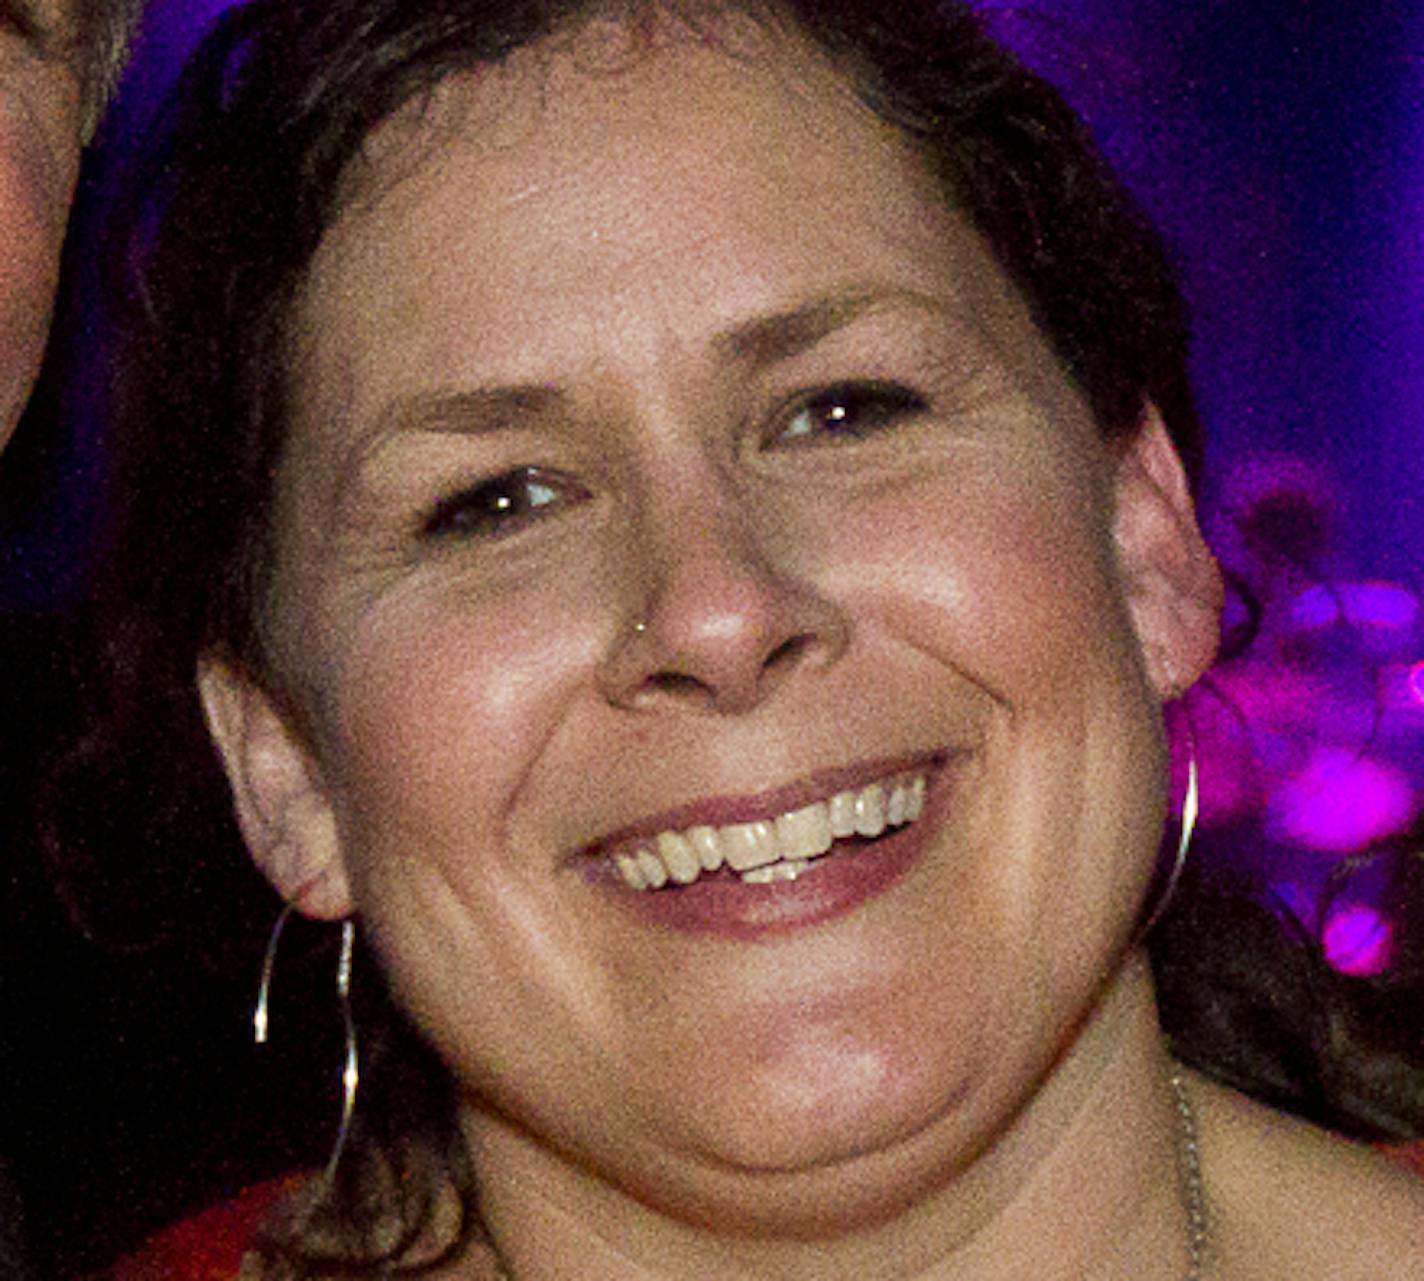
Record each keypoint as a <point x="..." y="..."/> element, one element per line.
<point x="282" y="808"/>
<point x="1172" y="584"/>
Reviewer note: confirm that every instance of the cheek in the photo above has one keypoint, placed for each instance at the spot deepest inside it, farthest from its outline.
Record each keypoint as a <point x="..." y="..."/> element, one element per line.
<point x="1003" y="578"/>
<point x="442" y="702"/>
<point x="998" y="571"/>
<point x="39" y="160"/>
<point x="29" y="265"/>
<point x="36" y="182"/>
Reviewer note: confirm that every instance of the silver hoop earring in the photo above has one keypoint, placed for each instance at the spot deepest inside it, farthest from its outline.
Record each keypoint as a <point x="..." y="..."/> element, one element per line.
<point x="1191" y="801"/>
<point x="264" y="988"/>
<point x="351" y="1065"/>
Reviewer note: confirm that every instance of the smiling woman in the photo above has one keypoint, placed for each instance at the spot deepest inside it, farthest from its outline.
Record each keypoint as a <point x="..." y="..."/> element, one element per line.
<point x="676" y="515"/>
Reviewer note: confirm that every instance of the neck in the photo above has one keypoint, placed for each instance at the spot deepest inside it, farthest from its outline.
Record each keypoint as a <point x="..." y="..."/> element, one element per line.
<point x="1082" y="1182"/>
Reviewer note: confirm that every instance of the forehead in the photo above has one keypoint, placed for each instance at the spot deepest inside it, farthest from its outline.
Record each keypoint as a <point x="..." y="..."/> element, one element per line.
<point x="612" y="127"/>
<point x="617" y="85"/>
<point x="610" y="196"/>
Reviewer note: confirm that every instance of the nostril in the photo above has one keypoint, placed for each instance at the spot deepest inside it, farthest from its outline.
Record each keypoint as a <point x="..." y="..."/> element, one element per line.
<point x="786" y="654"/>
<point x="723" y="659"/>
<point x="727" y="686"/>
<point x="677" y="683"/>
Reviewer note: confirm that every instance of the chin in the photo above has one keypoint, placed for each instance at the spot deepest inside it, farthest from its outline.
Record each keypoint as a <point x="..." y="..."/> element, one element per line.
<point x="838" y="1093"/>
<point x="814" y="1161"/>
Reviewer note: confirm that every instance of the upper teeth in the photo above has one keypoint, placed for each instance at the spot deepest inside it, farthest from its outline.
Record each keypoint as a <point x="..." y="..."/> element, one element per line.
<point x="776" y="849"/>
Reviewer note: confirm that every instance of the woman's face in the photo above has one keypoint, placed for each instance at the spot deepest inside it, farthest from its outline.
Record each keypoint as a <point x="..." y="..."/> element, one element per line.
<point x="668" y="458"/>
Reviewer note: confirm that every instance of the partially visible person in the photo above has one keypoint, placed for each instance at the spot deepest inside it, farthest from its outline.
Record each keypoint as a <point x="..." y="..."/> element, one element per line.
<point x="59" y="61"/>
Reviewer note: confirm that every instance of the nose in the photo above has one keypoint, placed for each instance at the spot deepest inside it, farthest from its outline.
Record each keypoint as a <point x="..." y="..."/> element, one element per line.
<point x="723" y="621"/>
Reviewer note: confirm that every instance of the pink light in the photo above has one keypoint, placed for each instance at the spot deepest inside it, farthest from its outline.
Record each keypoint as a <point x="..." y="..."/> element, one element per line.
<point x="1402" y="687"/>
<point x="1341" y="802"/>
<point x="1358" y="940"/>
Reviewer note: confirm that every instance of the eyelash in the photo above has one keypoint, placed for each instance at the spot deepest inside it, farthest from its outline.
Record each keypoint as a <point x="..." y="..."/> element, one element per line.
<point x="850" y="411"/>
<point x="492" y="508"/>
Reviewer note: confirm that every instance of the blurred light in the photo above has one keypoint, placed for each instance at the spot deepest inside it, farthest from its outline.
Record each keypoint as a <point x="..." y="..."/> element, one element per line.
<point x="1277" y="508"/>
<point x="1315" y="609"/>
<point x="1358" y="940"/>
<point x="1264" y="692"/>
<point x="1402" y="687"/>
<point x="1341" y="802"/>
<point x="1386" y="606"/>
<point x="1228" y="777"/>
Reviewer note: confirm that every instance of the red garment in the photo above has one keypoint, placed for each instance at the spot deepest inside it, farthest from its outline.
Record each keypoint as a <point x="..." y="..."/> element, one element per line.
<point x="1410" y="1155"/>
<point x="208" y="1246"/>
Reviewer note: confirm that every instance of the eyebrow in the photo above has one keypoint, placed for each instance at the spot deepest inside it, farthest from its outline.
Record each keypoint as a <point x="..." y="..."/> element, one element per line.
<point x="474" y="409"/>
<point x="768" y="340"/>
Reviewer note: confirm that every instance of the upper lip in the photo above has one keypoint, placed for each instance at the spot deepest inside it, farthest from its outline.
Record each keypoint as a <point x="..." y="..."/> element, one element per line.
<point x="719" y="811"/>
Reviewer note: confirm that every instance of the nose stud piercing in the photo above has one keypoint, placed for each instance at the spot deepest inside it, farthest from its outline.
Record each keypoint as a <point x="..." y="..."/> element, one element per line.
<point x="639" y="628"/>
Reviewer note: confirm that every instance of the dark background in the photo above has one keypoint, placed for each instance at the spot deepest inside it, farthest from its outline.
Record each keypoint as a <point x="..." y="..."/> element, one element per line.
<point x="1280" y="143"/>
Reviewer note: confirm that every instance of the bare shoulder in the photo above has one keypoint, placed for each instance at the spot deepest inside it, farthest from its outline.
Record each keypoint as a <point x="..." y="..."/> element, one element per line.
<point x="1289" y="1200"/>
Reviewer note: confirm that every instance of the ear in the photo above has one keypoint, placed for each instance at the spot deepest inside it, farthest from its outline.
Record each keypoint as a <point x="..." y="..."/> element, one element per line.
<point x="1171" y="580"/>
<point x="284" y="813"/>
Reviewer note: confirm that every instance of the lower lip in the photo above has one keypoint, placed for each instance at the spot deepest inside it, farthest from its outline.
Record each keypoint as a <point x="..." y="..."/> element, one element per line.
<point x="833" y="886"/>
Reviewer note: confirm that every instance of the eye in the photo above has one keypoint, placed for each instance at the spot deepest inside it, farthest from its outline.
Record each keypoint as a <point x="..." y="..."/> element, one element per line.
<point x="503" y="505"/>
<point x="849" y="411"/>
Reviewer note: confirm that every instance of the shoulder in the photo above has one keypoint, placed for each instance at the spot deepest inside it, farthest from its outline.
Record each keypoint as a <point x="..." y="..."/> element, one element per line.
<point x="1290" y="1200"/>
<point x="210" y="1245"/>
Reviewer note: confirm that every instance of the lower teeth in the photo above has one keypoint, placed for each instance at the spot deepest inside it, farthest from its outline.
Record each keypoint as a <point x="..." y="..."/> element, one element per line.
<point x="787" y="870"/>
<point x="793" y="869"/>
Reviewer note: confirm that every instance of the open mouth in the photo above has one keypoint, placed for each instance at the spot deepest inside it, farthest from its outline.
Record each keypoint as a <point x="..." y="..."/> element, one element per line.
<point x="779" y="849"/>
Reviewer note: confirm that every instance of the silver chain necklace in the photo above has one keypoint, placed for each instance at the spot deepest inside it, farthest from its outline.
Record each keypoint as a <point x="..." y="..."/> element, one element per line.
<point x="1188" y="1170"/>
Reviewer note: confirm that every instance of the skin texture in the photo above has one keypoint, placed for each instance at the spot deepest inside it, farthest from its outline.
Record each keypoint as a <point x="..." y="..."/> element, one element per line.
<point x="40" y="122"/>
<point x="963" y="1076"/>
